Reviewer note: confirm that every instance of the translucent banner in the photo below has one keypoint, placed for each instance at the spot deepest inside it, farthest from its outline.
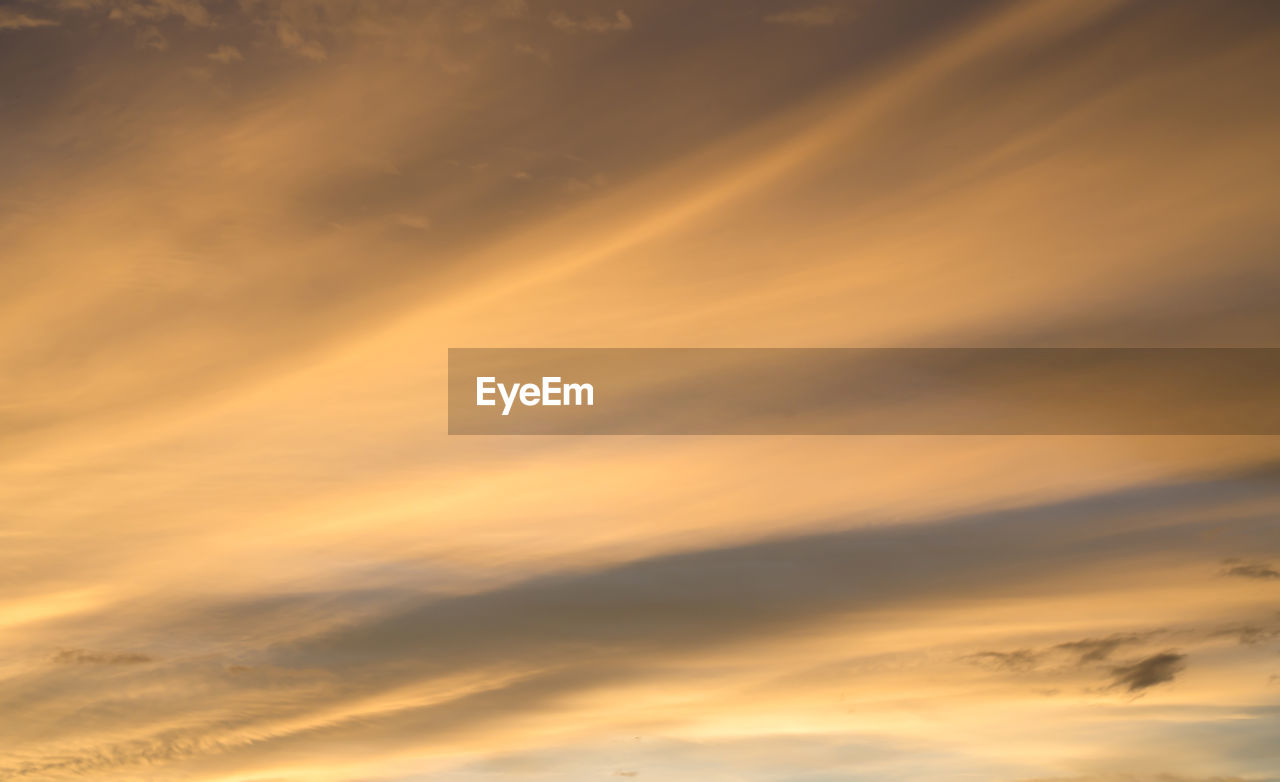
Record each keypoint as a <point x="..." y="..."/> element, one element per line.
<point x="863" y="391"/>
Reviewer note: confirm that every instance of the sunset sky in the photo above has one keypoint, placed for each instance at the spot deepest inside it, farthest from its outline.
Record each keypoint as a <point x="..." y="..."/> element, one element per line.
<point x="238" y="238"/>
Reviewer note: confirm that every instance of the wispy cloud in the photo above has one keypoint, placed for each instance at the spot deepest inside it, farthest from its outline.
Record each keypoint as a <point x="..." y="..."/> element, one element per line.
<point x="226" y="54"/>
<point x="292" y="39"/>
<point x="810" y="16"/>
<point x="1258" y="570"/>
<point x="192" y="12"/>
<point x="619" y="22"/>
<point x="1068" y="653"/>
<point x="88" y="657"/>
<point x="13" y="19"/>
<point x="1149" y="671"/>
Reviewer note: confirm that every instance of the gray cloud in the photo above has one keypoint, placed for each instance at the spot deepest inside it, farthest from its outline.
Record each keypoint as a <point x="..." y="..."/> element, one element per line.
<point x="88" y="657"/>
<point x="1062" y="656"/>
<point x="1148" y="672"/>
<point x="699" y="597"/>
<point x="1246" y="635"/>
<point x="1099" y="649"/>
<point x="580" y="630"/>
<point x="1017" y="660"/>
<point x="1251" y="570"/>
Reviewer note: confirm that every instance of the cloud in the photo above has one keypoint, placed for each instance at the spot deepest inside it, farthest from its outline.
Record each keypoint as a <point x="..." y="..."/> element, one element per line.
<point x="719" y="593"/>
<point x="536" y="52"/>
<point x="591" y="24"/>
<point x="226" y="54"/>
<point x="1098" y="649"/>
<point x="191" y="12"/>
<point x="11" y="19"/>
<point x="1092" y="654"/>
<point x="1063" y="656"/>
<point x="1148" y="672"/>
<point x="1256" y="570"/>
<point x="1018" y="660"/>
<point x="1246" y="635"/>
<point x="88" y="657"/>
<point x="293" y="40"/>
<point x="813" y="16"/>
<point x="570" y="633"/>
<point x="150" y="37"/>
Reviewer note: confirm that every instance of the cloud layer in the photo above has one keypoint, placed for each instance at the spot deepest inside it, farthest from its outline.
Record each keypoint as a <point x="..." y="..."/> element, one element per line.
<point x="238" y="239"/>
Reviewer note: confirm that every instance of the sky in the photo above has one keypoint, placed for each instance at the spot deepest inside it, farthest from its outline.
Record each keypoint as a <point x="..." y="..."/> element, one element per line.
<point x="237" y="239"/>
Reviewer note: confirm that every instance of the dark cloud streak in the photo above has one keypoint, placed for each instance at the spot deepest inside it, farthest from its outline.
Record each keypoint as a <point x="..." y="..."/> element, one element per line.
<point x="1148" y="672"/>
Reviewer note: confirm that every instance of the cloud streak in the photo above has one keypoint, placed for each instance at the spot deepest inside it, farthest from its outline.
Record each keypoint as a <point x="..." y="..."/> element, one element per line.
<point x="619" y="22"/>
<point x="11" y="19"/>
<point x="1149" y="671"/>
